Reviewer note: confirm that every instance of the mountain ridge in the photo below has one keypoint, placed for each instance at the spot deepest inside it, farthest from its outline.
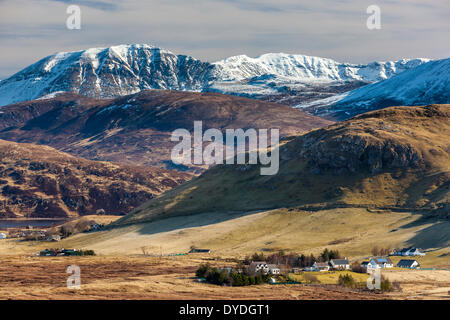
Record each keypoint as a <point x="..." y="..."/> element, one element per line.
<point x="126" y="69"/>
<point x="428" y="83"/>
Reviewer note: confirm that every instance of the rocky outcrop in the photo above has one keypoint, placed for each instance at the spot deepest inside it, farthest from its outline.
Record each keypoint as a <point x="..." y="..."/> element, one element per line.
<point x="352" y="153"/>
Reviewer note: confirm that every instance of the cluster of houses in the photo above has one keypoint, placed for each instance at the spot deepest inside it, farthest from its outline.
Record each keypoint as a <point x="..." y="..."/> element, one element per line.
<point x="333" y="264"/>
<point x="343" y="264"/>
<point x="30" y="234"/>
<point x="382" y="263"/>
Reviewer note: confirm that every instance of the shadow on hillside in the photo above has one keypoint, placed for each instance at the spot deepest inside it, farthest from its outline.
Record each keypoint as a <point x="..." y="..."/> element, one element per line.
<point x="434" y="236"/>
<point x="188" y="221"/>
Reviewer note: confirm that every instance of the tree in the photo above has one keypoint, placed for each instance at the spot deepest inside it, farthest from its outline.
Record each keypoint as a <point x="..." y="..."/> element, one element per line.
<point x="385" y="284"/>
<point x="203" y="270"/>
<point x="258" y="257"/>
<point x="347" y="280"/>
<point x="375" y="251"/>
<point x="356" y="267"/>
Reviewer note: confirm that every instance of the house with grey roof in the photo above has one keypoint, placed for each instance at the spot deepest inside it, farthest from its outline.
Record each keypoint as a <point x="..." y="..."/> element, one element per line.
<point x="408" y="263"/>
<point x="320" y="266"/>
<point x="340" y="264"/>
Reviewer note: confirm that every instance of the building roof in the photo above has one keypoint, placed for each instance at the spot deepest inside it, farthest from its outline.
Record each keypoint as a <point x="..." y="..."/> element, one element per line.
<point x="321" y="264"/>
<point x="410" y="249"/>
<point x="258" y="262"/>
<point x="339" y="261"/>
<point x="383" y="260"/>
<point x="406" y="263"/>
<point x="200" y="251"/>
<point x="273" y="266"/>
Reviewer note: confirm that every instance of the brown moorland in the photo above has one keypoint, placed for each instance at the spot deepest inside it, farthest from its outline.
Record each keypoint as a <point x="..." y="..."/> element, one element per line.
<point x="41" y="182"/>
<point x="136" y="129"/>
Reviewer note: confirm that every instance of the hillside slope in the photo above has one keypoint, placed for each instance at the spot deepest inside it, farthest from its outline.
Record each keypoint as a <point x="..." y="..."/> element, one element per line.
<point x="136" y="129"/>
<point x="39" y="181"/>
<point x="428" y="83"/>
<point x="394" y="158"/>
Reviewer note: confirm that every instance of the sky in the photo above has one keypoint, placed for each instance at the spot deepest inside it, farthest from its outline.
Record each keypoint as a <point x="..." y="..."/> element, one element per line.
<point x="211" y="30"/>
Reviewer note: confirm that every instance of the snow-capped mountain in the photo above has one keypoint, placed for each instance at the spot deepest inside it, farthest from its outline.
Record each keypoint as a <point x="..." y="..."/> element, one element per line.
<point x="105" y="72"/>
<point x="306" y="68"/>
<point x="428" y="83"/>
<point x="291" y="79"/>
<point x="126" y="69"/>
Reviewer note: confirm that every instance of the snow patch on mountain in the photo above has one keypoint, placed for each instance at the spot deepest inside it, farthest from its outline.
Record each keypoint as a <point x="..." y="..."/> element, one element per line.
<point x="428" y="83"/>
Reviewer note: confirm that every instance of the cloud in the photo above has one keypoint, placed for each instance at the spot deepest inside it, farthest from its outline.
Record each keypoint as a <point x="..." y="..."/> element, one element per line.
<point x="214" y="29"/>
<point x="100" y="5"/>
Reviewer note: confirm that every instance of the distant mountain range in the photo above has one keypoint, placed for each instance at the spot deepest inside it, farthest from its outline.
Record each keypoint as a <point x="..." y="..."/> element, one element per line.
<point x="428" y="83"/>
<point x="127" y="69"/>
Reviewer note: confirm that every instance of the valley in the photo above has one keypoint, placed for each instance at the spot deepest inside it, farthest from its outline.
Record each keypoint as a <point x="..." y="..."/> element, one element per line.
<point x="87" y="178"/>
<point x="133" y="262"/>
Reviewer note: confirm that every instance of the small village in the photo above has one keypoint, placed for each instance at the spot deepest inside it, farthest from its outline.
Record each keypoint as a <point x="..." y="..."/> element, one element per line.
<point x="282" y="268"/>
<point x="53" y="234"/>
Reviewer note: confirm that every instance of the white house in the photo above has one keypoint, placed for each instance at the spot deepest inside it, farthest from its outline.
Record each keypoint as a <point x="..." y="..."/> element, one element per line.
<point x="377" y="263"/>
<point x="406" y="263"/>
<point x="259" y="266"/>
<point x="383" y="262"/>
<point x="3" y="236"/>
<point x="340" y="264"/>
<point x="411" y="251"/>
<point x="321" y="266"/>
<point x="370" y="266"/>
<point x="273" y="269"/>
